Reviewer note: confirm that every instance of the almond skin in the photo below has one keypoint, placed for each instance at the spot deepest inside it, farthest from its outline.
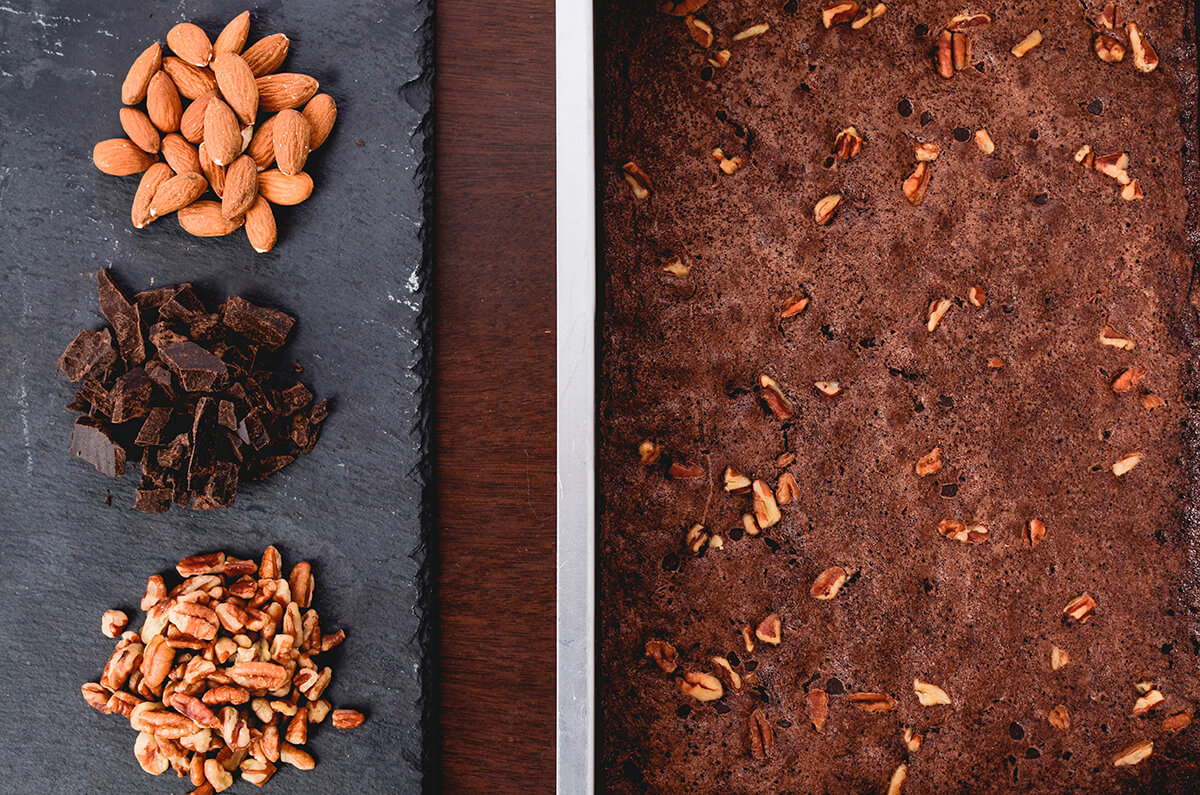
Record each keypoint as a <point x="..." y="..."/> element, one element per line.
<point x="204" y="219"/>
<point x="291" y="137"/>
<point x="233" y="37"/>
<point x="212" y="172"/>
<point x="192" y="122"/>
<point x="279" y="188"/>
<point x="241" y="186"/>
<point x="262" y="145"/>
<point x="162" y="103"/>
<point x="321" y="113"/>
<point x="120" y="157"/>
<point x="222" y="134"/>
<point x="260" y="226"/>
<point x="192" y="81"/>
<point x="180" y="155"/>
<point x="284" y="90"/>
<point x="236" y="82"/>
<point x="266" y="55"/>
<point x="190" y="43"/>
<point x="179" y="191"/>
<point x="137" y="80"/>
<point x="141" y="130"/>
<point x="156" y="175"/>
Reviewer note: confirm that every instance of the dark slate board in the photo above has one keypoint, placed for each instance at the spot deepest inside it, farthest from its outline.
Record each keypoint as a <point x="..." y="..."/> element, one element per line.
<point x="350" y="264"/>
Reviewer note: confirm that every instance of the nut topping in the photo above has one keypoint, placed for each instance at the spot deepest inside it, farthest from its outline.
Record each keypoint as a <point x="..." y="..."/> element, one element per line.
<point x="701" y="686"/>
<point x="1080" y="608"/>
<point x="848" y="144"/>
<point x="770" y="629"/>
<point x="649" y="451"/>
<point x="1110" y="337"/>
<point x="676" y="268"/>
<point x="826" y="208"/>
<point x="762" y="736"/>
<point x="1177" y="722"/>
<point x="1110" y="18"/>
<point x="1085" y="155"/>
<point x="838" y="13"/>
<point x="751" y="526"/>
<point x="967" y="21"/>
<point x="1144" y="56"/>
<point x="772" y="395"/>
<point x="929" y="694"/>
<point x="794" y="306"/>
<point x="938" y="308"/>
<point x="748" y="637"/>
<point x="816" y="704"/>
<point x="1147" y="702"/>
<point x="720" y="58"/>
<point x="828" y="583"/>
<point x="1059" y="659"/>
<point x="875" y="12"/>
<point x="766" y="510"/>
<point x="1108" y="48"/>
<point x="962" y="532"/>
<point x="700" y="31"/>
<point x="912" y="741"/>
<point x="1132" y="192"/>
<point x="976" y="295"/>
<point x="1128" y="379"/>
<point x="639" y="181"/>
<point x="696" y="539"/>
<point x="984" y="141"/>
<point x="1059" y="718"/>
<point x="872" y="702"/>
<point x="1035" y="532"/>
<point x="828" y="388"/>
<point x="1026" y="44"/>
<point x="927" y="152"/>
<point x="896" y="782"/>
<point x="751" y="32"/>
<point x="930" y="463"/>
<point x="663" y="654"/>
<point x="1151" y="402"/>
<point x="1133" y="754"/>
<point x="727" y="165"/>
<point x="1115" y="165"/>
<point x="1125" y="463"/>
<point x="736" y="482"/>
<point x="916" y="184"/>
<point x="787" y="489"/>
<point x="113" y="623"/>
<point x="944" y="54"/>
<point x="726" y="673"/>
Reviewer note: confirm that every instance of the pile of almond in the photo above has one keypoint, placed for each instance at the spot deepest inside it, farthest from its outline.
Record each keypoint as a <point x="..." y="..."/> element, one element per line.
<point x="245" y="133"/>
<point x="221" y="679"/>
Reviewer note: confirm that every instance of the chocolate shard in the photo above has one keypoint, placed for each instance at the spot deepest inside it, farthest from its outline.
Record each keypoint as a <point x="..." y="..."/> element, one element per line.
<point x="95" y="395"/>
<point x="183" y="305"/>
<point x="174" y="454"/>
<point x="91" y="441"/>
<point x="205" y="328"/>
<point x="156" y="500"/>
<point x="203" y="460"/>
<point x="220" y="489"/>
<point x="197" y="369"/>
<point x="154" y="474"/>
<point x="130" y="396"/>
<point x="90" y="350"/>
<point x="226" y="415"/>
<point x="294" y="398"/>
<point x="153" y="430"/>
<point x="320" y="411"/>
<point x="260" y="325"/>
<point x="125" y="318"/>
<point x="160" y="374"/>
<point x="162" y="334"/>
<point x="253" y="431"/>
<point x="155" y="297"/>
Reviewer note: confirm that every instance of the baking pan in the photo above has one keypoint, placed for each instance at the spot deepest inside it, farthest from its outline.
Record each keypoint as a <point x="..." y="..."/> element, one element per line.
<point x="350" y="265"/>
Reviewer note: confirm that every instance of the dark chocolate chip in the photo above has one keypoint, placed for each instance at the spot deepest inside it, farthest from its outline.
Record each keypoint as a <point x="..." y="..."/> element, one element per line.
<point x="926" y="118"/>
<point x="1095" y="107"/>
<point x="834" y="687"/>
<point x="1041" y="199"/>
<point x="88" y="351"/>
<point x="904" y="108"/>
<point x="706" y="73"/>
<point x="1016" y="731"/>
<point x="961" y="134"/>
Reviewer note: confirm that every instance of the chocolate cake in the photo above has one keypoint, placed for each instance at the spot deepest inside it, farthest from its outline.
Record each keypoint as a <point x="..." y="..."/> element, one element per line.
<point x="896" y="428"/>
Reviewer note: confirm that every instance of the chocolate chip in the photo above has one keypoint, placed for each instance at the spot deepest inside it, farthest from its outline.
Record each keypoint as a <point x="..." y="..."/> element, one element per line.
<point x="922" y="30"/>
<point x="1095" y="107"/>
<point x="834" y="687"/>
<point x="904" y="108"/>
<point x="950" y="490"/>
<point x="1033" y="134"/>
<point x="1016" y="731"/>
<point x="926" y="118"/>
<point x="706" y="73"/>
<point x="961" y="134"/>
<point x="1041" y="199"/>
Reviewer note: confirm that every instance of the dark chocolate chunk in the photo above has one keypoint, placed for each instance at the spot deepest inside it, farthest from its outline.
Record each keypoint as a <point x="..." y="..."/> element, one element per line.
<point x="220" y="489"/>
<point x="155" y="297"/>
<point x="205" y="327"/>
<point x="153" y="500"/>
<point x="96" y="396"/>
<point x="197" y="369"/>
<point x="253" y="431"/>
<point x="130" y="396"/>
<point x="204" y="444"/>
<point x="184" y="305"/>
<point x="294" y="398"/>
<point x="154" y="429"/>
<point x="124" y="317"/>
<point x="226" y="415"/>
<point x="88" y="351"/>
<point x="92" y="441"/>
<point x="160" y="374"/>
<point x="163" y="334"/>
<point x="174" y="454"/>
<point x="266" y="327"/>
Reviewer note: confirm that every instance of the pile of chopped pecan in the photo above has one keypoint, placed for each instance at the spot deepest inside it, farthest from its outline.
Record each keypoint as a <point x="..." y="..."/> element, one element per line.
<point x="221" y="677"/>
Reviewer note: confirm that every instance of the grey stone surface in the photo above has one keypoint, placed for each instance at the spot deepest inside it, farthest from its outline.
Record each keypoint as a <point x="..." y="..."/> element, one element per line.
<point x="350" y="264"/>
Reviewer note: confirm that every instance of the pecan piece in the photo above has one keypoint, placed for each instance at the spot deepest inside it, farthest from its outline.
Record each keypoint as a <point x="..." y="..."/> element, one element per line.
<point x="681" y="471"/>
<point x="296" y="757"/>
<point x="848" y="144"/>
<point x="145" y="750"/>
<point x="751" y="32"/>
<point x="113" y="623"/>
<point x="896" y="782"/>
<point x="663" y="654"/>
<point x="766" y="510"/>
<point x="826" y="208"/>
<point x="211" y="563"/>
<point x="794" y="306"/>
<point x="1125" y="463"/>
<point x="97" y="696"/>
<point x="828" y="388"/>
<point x="916" y="184"/>
<point x="1110" y="17"/>
<point x="1108" y="48"/>
<point x="1128" y="379"/>
<point x="1110" y="337"/>
<point x="930" y="463"/>
<point x="1177" y="722"/>
<point x="680" y="8"/>
<point x="1021" y="48"/>
<point x="962" y="532"/>
<point x="1133" y="754"/>
<point x="960" y="50"/>
<point x="726" y="673"/>
<point x="1059" y="659"/>
<point x="944" y="58"/>
<point x="1133" y="191"/>
<point x="639" y="181"/>
<point x="938" y="308"/>
<point x="912" y="741"/>
<point x="875" y="12"/>
<point x="966" y="21"/>
<point x="976" y="295"/>
<point x="701" y="686"/>
<point x="762" y="736"/>
<point x="1144" y="56"/>
<point x="1059" y="718"/>
<point x="735" y="481"/>
<point x="872" y="702"/>
<point x="195" y="710"/>
<point x="772" y="395"/>
<point x="258" y="675"/>
<point x="1151" y="402"/>
<point x="695" y="538"/>
<point x="770" y="629"/>
<point x="700" y="31"/>
<point x="828" y="583"/>
<point x="1147" y="702"/>
<point x="838" y="13"/>
<point x="983" y="139"/>
<point x="816" y="704"/>
<point x="347" y="719"/>
<point x="1080" y="608"/>
<point x="787" y="490"/>
<point x="1115" y="165"/>
<point x="930" y="695"/>
<point x="649" y="452"/>
<point x="1035" y="531"/>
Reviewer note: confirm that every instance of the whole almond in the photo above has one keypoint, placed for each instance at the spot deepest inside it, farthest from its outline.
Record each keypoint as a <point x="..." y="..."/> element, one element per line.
<point x="192" y="81"/>
<point x="180" y="155"/>
<point x="291" y="137"/>
<point x="140" y="129"/>
<point x="192" y="122"/>
<point x="241" y="186"/>
<point x="120" y="157"/>
<point x="222" y="134"/>
<point x="179" y="191"/>
<point x="262" y="145"/>
<point x="284" y="90"/>
<point x="260" y="225"/>
<point x="190" y="43"/>
<point x="204" y="219"/>
<point x="212" y="172"/>
<point x="162" y="103"/>
<point x="137" y="80"/>
<point x="279" y="188"/>
<point x="321" y="113"/>
<point x="236" y="82"/>
<point x="233" y="37"/>
<point x="266" y="55"/>
<point x="156" y="175"/>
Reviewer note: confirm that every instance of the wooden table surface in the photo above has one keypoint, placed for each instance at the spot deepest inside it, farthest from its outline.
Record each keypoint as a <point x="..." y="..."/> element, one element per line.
<point x="495" y="394"/>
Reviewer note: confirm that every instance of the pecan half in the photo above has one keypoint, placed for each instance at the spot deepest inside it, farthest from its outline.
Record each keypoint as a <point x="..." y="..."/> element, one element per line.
<point x="816" y="704"/>
<point x="772" y="395"/>
<point x="1144" y="56"/>
<point x="347" y="719"/>
<point x="701" y="686"/>
<point x="762" y="736"/>
<point x="872" y="702"/>
<point x="944" y="57"/>
<point x="917" y="183"/>
<point x="828" y="583"/>
<point x="826" y="208"/>
<point x="1133" y="754"/>
<point x="766" y="510"/>
<point x="1080" y="608"/>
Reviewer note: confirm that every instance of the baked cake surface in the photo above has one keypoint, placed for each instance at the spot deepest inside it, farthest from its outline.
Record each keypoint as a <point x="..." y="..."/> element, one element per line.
<point x="1029" y="408"/>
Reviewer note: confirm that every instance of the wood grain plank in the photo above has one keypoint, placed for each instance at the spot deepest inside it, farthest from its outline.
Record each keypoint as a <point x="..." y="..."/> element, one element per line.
<point x="494" y="394"/>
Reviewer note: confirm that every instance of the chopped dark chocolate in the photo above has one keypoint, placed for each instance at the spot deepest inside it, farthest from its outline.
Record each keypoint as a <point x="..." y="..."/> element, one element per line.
<point x="92" y="441"/>
<point x="200" y="407"/>
<point x="266" y="327"/>
<point x="88" y="351"/>
<point x="198" y="370"/>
